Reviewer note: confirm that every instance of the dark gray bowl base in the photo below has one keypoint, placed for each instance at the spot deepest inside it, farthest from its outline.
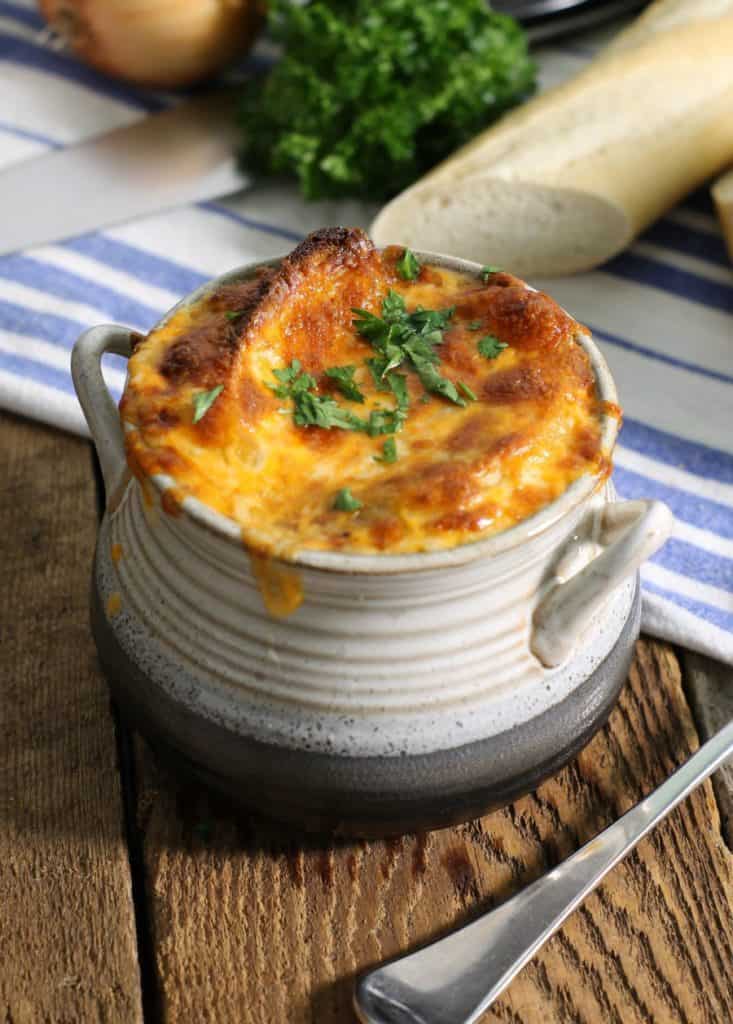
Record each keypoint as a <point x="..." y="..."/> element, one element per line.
<point x="364" y="796"/>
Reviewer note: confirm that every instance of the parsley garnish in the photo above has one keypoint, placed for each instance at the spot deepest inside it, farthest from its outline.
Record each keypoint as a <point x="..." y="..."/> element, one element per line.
<point x="234" y="314"/>
<point x="432" y="381"/>
<point x="322" y="411"/>
<point x="490" y="346"/>
<point x="389" y="452"/>
<point x="398" y="386"/>
<point x="367" y="97"/>
<point x="488" y="270"/>
<point x="311" y="409"/>
<point x="432" y="319"/>
<point x="474" y="325"/>
<point x="376" y="367"/>
<point x="203" y="401"/>
<point x="346" y="502"/>
<point x="344" y="377"/>
<point x="292" y="380"/>
<point x="408" y="266"/>
<point x="389" y="421"/>
<point x="314" y="410"/>
<point x="399" y="336"/>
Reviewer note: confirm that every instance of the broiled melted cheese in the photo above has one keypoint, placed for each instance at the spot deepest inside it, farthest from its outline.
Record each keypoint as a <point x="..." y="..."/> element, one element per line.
<point x="462" y="473"/>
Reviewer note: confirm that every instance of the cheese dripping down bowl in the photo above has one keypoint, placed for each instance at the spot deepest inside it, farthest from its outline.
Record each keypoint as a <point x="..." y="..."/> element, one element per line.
<point x="362" y="566"/>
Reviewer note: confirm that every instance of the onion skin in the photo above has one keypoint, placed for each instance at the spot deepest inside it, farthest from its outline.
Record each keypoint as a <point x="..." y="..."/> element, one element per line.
<point x="160" y="43"/>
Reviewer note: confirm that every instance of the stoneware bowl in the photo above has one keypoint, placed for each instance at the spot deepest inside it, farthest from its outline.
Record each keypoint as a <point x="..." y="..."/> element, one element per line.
<point x="406" y="691"/>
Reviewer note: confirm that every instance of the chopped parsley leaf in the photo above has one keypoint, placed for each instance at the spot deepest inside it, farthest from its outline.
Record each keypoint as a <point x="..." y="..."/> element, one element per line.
<point x="431" y="319"/>
<point x="291" y="380"/>
<point x="346" y="502"/>
<point x="488" y="270"/>
<point x="399" y="336"/>
<point x="389" y="421"/>
<point x="393" y="307"/>
<point x="234" y="314"/>
<point x="203" y="401"/>
<point x="389" y="452"/>
<point x="398" y="386"/>
<point x="433" y="381"/>
<point x="311" y="409"/>
<point x="490" y="346"/>
<point x="474" y="325"/>
<point x="344" y="377"/>
<point x="367" y="324"/>
<point x="408" y="266"/>
<point x="467" y="391"/>
<point x="377" y="367"/>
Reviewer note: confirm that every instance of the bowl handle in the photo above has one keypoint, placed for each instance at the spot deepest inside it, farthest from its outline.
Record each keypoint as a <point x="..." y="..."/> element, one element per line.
<point x="98" y="404"/>
<point x="629" y="532"/>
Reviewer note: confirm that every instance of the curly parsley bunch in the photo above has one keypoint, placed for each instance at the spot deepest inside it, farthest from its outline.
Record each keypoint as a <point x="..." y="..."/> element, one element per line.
<point x="370" y="94"/>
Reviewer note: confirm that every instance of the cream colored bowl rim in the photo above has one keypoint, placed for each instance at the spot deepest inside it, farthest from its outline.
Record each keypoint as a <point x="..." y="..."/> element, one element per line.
<point x="385" y="564"/>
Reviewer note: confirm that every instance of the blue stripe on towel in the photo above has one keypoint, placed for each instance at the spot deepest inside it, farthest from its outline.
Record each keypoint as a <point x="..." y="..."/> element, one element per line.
<point x="643" y="270"/>
<point x="690" y="560"/>
<point x="693" y="457"/>
<point x="58" y="330"/>
<point x="30" y="369"/>
<point x="25" y="15"/>
<point x="716" y="616"/>
<point x="68" y="285"/>
<point x="32" y="136"/>
<point x="157" y="270"/>
<point x="703" y="245"/>
<point x="708" y="515"/>
<point x="250" y="222"/>
<point x="20" y="51"/>
<point x="660" y="357"/>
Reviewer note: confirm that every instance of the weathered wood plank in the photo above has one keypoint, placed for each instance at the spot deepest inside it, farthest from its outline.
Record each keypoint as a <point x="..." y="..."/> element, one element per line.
<point x="67" y="931"/>
<point x="709" y="685"/>
<point x="254" y="926"/>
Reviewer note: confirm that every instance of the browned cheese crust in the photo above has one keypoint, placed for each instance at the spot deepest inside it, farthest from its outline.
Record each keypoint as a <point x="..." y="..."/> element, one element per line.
<point x="462" y="472"/>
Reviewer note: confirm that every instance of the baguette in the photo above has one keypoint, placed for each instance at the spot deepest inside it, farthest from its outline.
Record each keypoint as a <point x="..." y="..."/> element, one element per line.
<point x="566" y="182"/>
<point x="665" y="15"/>
<point x="723" y="197"/>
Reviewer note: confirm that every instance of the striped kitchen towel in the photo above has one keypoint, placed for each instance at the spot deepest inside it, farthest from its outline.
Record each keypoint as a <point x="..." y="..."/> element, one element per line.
<point x="662" y="311"/>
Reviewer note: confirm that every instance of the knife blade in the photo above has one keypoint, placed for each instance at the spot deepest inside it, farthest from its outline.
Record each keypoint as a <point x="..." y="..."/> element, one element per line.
<point x="182" y="155"/>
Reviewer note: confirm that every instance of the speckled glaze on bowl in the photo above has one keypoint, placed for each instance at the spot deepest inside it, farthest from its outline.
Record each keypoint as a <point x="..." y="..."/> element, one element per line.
<point x="406" y="691"/>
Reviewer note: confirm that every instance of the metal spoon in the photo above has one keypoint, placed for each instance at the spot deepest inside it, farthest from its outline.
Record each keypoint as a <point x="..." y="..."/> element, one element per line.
<point x="456" y="978"/>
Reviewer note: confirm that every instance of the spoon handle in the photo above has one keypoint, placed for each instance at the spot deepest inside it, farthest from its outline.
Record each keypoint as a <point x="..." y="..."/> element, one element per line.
<point x="453" y="980"/>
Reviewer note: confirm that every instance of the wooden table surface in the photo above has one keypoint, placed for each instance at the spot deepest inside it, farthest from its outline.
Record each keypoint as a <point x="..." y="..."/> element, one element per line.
<point x="127" y="895"/>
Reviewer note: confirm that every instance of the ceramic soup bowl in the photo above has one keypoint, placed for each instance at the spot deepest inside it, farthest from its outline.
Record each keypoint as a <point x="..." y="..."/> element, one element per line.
<point x="406" y="691"/>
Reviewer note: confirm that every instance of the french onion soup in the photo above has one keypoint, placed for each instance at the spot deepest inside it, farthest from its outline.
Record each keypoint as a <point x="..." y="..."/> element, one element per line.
<point x="364" y="401"/>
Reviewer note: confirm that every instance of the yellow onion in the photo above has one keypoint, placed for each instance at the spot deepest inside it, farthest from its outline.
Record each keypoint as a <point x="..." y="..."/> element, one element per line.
<point x="161" y="43"/>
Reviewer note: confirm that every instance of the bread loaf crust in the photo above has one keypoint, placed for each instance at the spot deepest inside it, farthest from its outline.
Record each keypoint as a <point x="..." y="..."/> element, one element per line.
<point x="568" y="180"/>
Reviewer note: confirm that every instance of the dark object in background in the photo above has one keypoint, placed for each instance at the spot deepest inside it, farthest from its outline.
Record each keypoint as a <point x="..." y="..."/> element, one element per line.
<point x="372" y="93"/>
<point x="545" y="19"/>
